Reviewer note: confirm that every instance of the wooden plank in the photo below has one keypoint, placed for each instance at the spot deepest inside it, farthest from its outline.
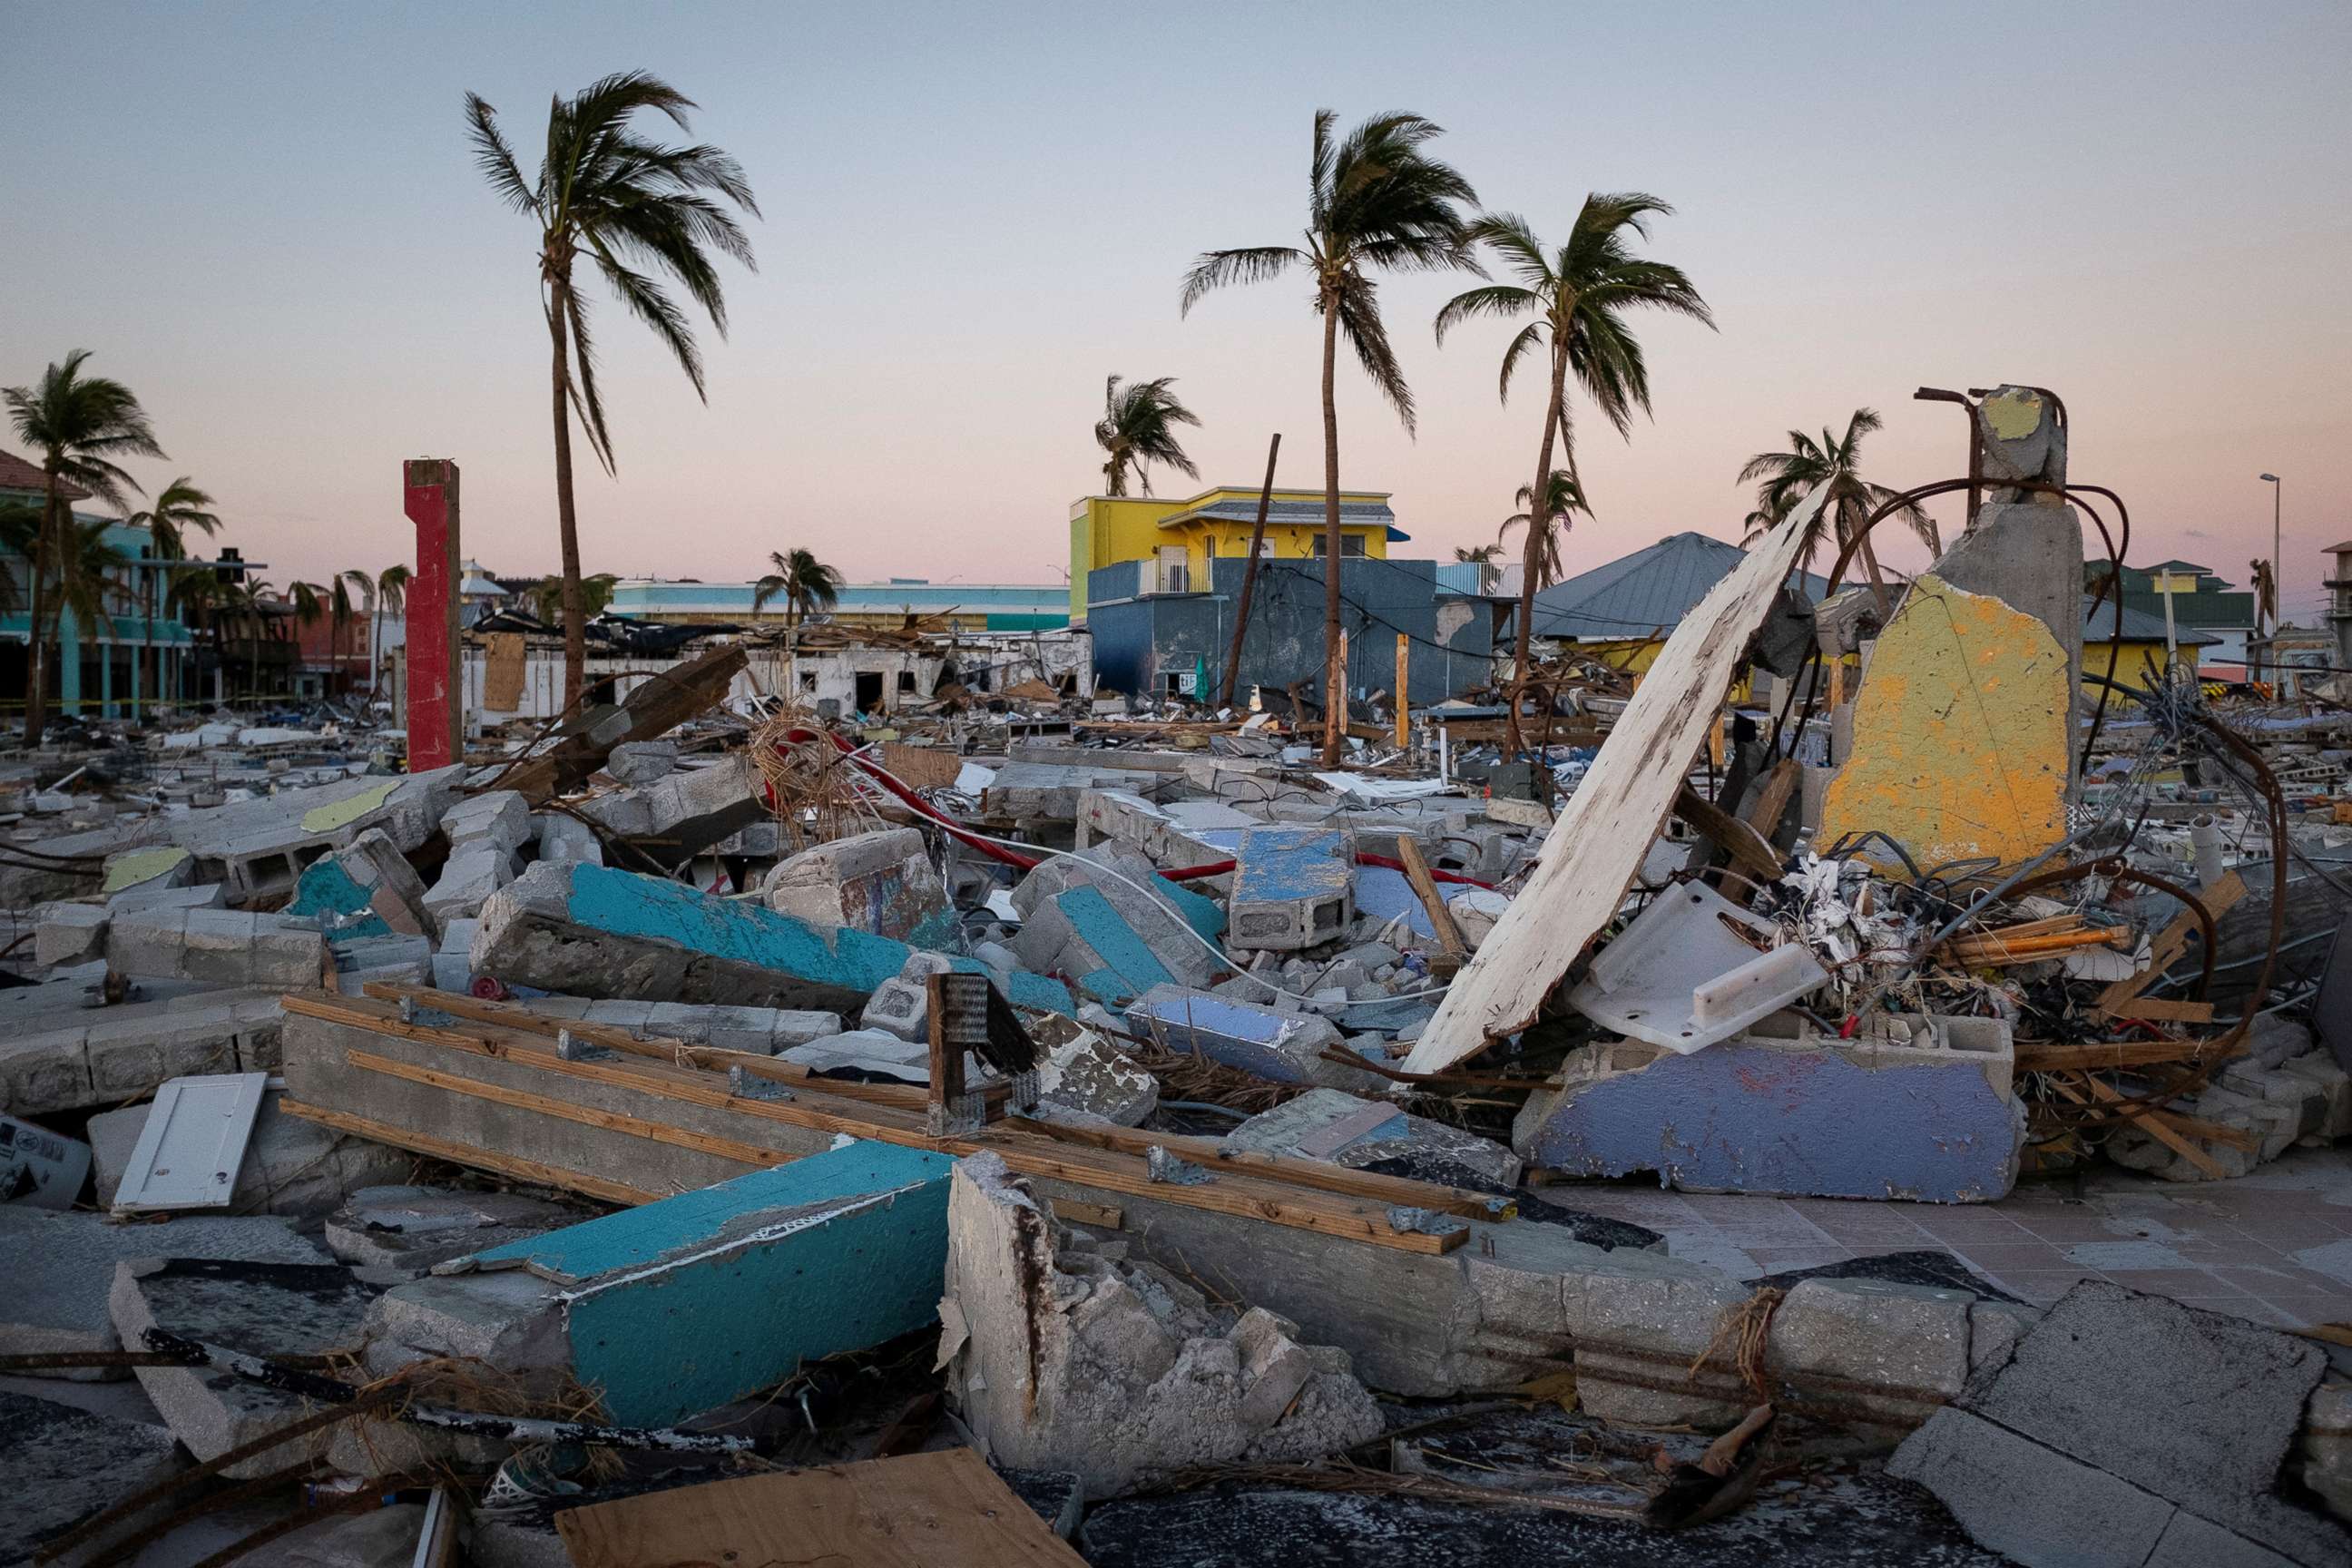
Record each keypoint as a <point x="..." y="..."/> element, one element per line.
<point x="1433" y="902"/>
<point x="466" y="1154"/>
<point x="653" y="708"/>
<point x="1104" y="1217"/>
<point x="1403" y="715"/>
<point x="2166" y="1010"/>
<point x="921" y="767"/>
<point x="1594" y="851"/>
<point x="2156" y="1128"/>
<point x="2218" y="899"/>
<point x="1245" y="1195"/>
<point x="916" y="1510"/>
<point x="2116" y="1054"/>
<point x="1747" y="846"/>
<point x="1772" y="800"/>
<point x="587" y="1116"/>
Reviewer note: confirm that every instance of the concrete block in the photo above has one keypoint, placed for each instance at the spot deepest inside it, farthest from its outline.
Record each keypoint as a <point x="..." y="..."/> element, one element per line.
<point x="1160" y="911"/>
<point x="366" y="889"/>
<point x="1155" y="831"/>
<point x="882" y="882"/>
<point x="642" y="762"/>
<point x="1065" y="1359"/>
<point x="869" y="1053"/>
<point x="1626" y="1312"/>
<point x="899" y="1008"/>
<point x="1782" y="1109"/>
<point x="674" y="1307"/>
<point x="62" y="1269"/>
<point x="1086" y="1076"/>
<point x="475" y="870"/>
<point x="259" y="847"/>
<point x="65" y="1465"/>
<point x="1079" y="934"/>
<point x="595" y="932"/>
<point x="563" y="837"/>
<point x="1293" y="887"/>
<point x="1876" y="1335"/>
<point x="2334" y="1085"/>
<point x="69" y="933"/>
<point x="207" y="896"/>
<point x="259" y="1309"/>
<point x="686" y="812"/>
<point x="499" y="816"/>
<point x="147" y="942"/>
<point x="766" y="1030"/>
<point x="392" y="960"/>
<point x="1285" y="1046"/>
<point x="2015" y="1497"/>
<point x="1326" y="1124"/>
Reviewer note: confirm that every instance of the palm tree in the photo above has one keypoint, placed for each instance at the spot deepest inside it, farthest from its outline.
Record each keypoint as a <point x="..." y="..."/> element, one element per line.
<point x="88" y="571"/>
<point x="1377" y="201"/>
<point x="1578" y="296"/>
<point x="1787" y="477"/>
<point x="806" y="583"/>
<point x="79" y="424"/>
<point x="547" y="597"/>
<point x="348" y="593"/>
<point x="635" y="206"/>
<point x="1138" y="428"/>
<point x="202" y="599"/>
<point x="392" y="594"/>
<point x="179" y="507"/>
<point x="1563" y="498"/>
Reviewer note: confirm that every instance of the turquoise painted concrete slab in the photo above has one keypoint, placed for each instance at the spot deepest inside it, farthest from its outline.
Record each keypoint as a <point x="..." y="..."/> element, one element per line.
<point x="678" y="1306"/>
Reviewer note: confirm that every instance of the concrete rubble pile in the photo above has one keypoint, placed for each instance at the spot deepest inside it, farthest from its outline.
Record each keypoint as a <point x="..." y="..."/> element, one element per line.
<point x="1610" y="1104"/>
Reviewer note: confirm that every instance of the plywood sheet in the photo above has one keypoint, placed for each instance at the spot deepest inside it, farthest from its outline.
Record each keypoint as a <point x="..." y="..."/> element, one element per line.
<point x="938" y="1511"/>
<point x="502" y="672"/>
<point x="1592" y="852"/>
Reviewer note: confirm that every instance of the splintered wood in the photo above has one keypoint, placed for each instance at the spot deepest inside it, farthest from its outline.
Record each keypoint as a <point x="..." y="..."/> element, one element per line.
<point x="1595" y="848"/>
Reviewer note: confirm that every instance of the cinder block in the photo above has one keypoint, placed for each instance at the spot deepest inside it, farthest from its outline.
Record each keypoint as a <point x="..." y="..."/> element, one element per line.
<point x="473" y="871"/>
<point x="69" y="933"/>
<point x="883" y="882"/>
<point x="500" y="816"/>
<point x="1293" y="887"/>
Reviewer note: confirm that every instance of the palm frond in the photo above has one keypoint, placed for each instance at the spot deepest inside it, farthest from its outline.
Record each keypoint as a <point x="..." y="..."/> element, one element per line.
<point x="1501" y="300"/>
<point x="1219" y="268"/>
<point x="494" y="158"/>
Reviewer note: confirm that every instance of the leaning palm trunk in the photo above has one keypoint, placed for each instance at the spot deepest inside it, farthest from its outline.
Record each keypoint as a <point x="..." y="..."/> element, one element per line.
<point x="1538" y="539"/>
<point x="567" y="519"/>
<point x="1335" y="682"/>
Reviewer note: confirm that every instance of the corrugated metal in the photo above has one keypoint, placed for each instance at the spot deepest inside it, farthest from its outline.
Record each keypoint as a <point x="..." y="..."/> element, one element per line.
<point x="1649" y="590"/>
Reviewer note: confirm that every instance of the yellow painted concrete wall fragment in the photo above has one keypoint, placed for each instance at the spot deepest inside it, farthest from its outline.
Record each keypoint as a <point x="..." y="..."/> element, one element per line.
<point x="1960" y="733"/>
<point x="349" y="809"/>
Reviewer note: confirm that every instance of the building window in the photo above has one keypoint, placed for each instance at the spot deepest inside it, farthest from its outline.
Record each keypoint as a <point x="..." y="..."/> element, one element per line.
<point x="1349" y="544"/>
<point x="906" y="680"/>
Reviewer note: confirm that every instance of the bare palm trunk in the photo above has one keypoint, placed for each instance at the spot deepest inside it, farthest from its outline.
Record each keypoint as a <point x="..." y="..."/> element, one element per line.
<point x="1335" y="682"/>
<point x="37" y="666"/>
<point x="1539" y="538"/>
<point x="567" y="519"/>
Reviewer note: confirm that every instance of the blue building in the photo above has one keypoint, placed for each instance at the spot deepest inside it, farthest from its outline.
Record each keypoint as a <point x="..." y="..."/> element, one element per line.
<point x="108" y="670"/>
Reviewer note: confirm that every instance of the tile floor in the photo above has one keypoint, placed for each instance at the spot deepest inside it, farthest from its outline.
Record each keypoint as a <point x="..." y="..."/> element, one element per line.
<point x="2275" y="1246"/>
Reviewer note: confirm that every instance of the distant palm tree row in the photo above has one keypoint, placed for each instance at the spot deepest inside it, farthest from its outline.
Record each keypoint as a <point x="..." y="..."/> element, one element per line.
<point x="79" y="424"/>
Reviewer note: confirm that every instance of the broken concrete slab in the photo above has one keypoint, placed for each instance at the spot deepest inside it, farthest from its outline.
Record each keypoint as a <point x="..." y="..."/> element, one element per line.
<point x="69" y="933"/>
<point x="685" y="813"/>
<point x="2128" y="1428"/>
<point x="1049" y="792"/>
<point x="366" y="889"/>
<point x="642" y="762"/>
<point x="1783" y="1108"/>
<point x="290" y="1166"/>
<point x="1178" y="924"/>
<point x="1084" y="1076"/>
<point x="882" y="882"/>
<point x="674" y="1307"/>
<point x="1156" y="831"/>
<point x="259" y="847"/>
<point x="1963" y="735"/>
<point x="473" y="871"/>
<point x="220" y="947"/>
<point x="1326" y="1124"/>
<point x="1293" y="887"/>
<point x="595" y="932"/>
<point x="258" y="1309"/>
<point x="500" y="817"/>
<point x="408" y="1230"/>
<point x="66" y="1465"/>
<point x="1079" y="932"/>
<point x="1285" y="1046"/>
<point x="62" y="1267"/>
<point x="563" y="837"/>
<point x="1066" y="1358"/>
<point x="70" y="1061"/>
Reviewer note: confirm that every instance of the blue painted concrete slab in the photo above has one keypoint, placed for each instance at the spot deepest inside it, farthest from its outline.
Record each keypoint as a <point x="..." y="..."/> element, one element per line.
<point x="1745" y="1117"/>
<point x="681" y="1305"/>
<point x="327" y="894"/>
<point x="1384" y="894"/>
<point x="741" y="932"/>
<point x="1278" y="863"/>
<point x="1282" y="1047"/>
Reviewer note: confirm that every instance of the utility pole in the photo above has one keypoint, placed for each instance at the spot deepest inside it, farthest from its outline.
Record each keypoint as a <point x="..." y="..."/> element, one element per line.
<point x="1249" y="574"/>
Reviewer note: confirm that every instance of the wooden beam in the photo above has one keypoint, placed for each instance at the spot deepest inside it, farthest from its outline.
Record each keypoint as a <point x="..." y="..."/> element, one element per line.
<point x="1404" y="716"/>
<point x="2116" y="1054"/>
<point x="1253" y="1196"/>
<point x="2221" y="897"/>
<point x="1433" y="902"/>
<point x="656" y="707"/>
<point x="2155" y="1127"/>
<point x="466" y="1154"/>
<point x="2165" y="1010"/>
<point x="1747" y="846"/>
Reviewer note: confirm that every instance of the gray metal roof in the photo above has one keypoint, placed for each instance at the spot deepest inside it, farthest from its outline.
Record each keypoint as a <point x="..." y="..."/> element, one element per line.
<point x="1649" y="590"/>
<point x="1361" y="513"/>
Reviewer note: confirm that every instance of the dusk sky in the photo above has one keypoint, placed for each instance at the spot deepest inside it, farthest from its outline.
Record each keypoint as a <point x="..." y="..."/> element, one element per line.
<point x="265" y="219"/>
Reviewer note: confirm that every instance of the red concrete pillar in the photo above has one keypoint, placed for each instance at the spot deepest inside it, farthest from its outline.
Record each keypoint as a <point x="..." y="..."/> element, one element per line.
<point x="437" y="705"/>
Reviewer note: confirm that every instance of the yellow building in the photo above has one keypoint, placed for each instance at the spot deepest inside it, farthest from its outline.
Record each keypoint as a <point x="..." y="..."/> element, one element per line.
<point x="1179" y="537"/>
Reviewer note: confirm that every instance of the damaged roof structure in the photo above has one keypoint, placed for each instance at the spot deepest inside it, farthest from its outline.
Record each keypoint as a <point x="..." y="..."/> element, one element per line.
<point x="1890" y="1112"/>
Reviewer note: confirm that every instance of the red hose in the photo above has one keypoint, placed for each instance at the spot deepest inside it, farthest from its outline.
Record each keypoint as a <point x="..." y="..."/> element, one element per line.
<point x="1010" y="857"/>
